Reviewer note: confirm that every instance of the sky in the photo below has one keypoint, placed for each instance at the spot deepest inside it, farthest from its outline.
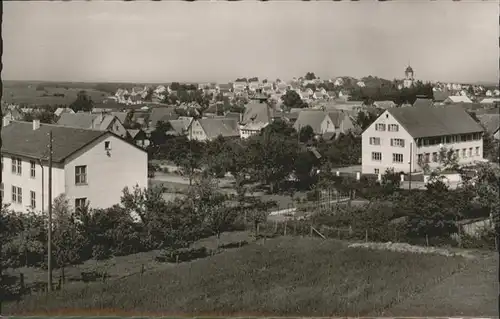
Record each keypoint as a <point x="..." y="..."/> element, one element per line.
<point x="156" y="42"/>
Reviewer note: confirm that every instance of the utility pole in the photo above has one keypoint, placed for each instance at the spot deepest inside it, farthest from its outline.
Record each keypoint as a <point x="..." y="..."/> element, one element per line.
<point x="49" y="237"/>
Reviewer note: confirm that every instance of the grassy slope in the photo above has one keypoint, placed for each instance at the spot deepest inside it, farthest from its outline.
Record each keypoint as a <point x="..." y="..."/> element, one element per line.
<point x="284" y="276"/>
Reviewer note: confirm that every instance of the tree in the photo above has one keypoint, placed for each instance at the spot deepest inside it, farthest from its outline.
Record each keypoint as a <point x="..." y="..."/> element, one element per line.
<point x="365" y="119"/>
<point x="257" y="212"/>
<point x="217" y="215"/>
<point x="304" y="168"/>
<point x="83" y="102"/>
<point x="291" y="99"/>
<point x="9" y="227"/>
<point x="306" y="134"/>
<point x="159" y="135"/>
<point x="272" y="157"/>
<point x="310" y="76"/>
<point x="66" y="239"/>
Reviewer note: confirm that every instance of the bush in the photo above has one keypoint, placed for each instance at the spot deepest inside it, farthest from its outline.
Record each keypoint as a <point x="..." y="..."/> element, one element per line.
<point x="234" y="244"/>
<point x="184" y="254"/>
<point x="484" y="240"/>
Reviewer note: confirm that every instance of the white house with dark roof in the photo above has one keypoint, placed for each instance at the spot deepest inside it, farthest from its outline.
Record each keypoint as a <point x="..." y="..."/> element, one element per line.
<point x="401" y="137"/>
<point x="210" y="128"/>
<point x="89" y="166"/>
<point x="322" y="122"/>
<point x="99" y="121"/>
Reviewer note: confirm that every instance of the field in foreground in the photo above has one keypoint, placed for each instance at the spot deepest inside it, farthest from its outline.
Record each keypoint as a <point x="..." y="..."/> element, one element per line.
<point x="283" y="276"/>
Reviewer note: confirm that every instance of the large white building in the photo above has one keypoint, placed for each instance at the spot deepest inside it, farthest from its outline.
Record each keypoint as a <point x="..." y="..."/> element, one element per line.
<point x="414" y="136"/>
<point x="89" y="166"/>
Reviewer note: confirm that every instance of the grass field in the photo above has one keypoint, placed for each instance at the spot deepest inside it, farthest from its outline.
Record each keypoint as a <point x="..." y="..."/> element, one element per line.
<point x="29" y="95"/>
<point x="282" y="276"/>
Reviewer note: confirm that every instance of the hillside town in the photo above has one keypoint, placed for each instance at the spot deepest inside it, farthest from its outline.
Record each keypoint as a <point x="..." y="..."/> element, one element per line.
<point x="303" y="196"/>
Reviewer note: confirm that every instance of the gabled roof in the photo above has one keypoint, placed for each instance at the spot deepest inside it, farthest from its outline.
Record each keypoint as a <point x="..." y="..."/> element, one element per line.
<point x="458" y="98"/>
<point x="435" y="121"/>
<point x="312" y="118"/>
<point x="180" y="125"/>
<point x="490" y="121"/>
<point x="219" y="126"/>
<point x="440" y="96"/>
<point x="164" y="114"/>
<point x="384" y="104"/>
<point x="257" y="112"/>
<point x="86" y="120"/>
<point x="419" y="102"/>
<point x="19" y="138"/>
<point x="61" y="110"/>
<point x="122" y="116"/>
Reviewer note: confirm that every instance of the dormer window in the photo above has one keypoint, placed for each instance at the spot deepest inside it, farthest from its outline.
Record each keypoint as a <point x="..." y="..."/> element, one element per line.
<point x="107" y="145"/>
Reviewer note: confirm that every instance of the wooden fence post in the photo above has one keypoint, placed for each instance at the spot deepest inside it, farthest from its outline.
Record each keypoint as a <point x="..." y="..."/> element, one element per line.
<point x="275" y="226"/>
<point x="427" y="240"/>
<point x="284" y="230"/>
<point x="311" y="231"/>
<point x="142" y="269"/>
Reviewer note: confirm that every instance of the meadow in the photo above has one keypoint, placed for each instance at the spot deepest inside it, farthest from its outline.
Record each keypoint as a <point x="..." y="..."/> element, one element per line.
<point x="286" y="276"/>
<point x="27" y="93"/>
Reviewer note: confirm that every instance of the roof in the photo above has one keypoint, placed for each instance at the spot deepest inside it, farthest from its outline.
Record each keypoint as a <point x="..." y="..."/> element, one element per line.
<point x="180" y="125"/>
<point x="440" y="96"/>
<point x="384" y="104"/>
<point x="219" y="126"/>
<point x="490" y="100"/>
<point x="435" y="121"/>
<point x="257" y="112"/>
<point x="133" y="133"/>
<point x="409" y="69"/>
<point x="491" y="122"/>
<point x="61" y="110"/>
<point x="122" y="116"/>
<point x="19" y="138"/>
<point x="311" y="118"/>
<point x="458" y="98"/>
<point x="423" y="102"/>
<point x="164" y="114"/>
<point x="233" y="115"/>
<point x="86" y="120"/>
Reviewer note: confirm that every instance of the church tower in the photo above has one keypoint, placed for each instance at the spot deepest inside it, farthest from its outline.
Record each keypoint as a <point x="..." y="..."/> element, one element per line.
<point x="408" y="81"/>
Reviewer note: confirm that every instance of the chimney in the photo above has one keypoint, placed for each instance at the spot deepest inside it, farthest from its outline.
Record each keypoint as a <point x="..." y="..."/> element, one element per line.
<point x="6" y="121"/>
<point x="36" y="125"/>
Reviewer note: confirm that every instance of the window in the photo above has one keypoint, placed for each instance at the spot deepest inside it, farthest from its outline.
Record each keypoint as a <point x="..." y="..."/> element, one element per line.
<point x="457" y="154"/>
<point x="397" y="158"/>
<point x="80" y="175"/>
<point x="379" y="127"/>
<point x="470" y="152"/>
<point x="80" y="202"/>
<point x="32" y="169"/>
<point x="397" y="142"/>
<point x="33" y="199"/>
<point x="435" y="157"/>
<point x="393" y="128"/>
<point x="377" y="171"/>
<point x="376" y="156"/>
<point x="427" y="157"/>
<point x="464" y="153"/>
<point x="17" y="195"/>
<point x="16" y="166"/>
<point x="420" y="158"/>
<point x="107" y="145"/>
<point x="477" y="151"/>
<point x="374" y="140"/>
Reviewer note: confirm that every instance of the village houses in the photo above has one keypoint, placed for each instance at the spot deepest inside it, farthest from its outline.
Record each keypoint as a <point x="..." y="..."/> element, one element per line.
<point x="99" y="121"/>
<point x="91" y="167"/>
<point x="411" y="136"/>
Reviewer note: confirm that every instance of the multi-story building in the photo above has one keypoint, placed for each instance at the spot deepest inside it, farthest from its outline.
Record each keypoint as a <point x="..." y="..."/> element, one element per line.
<point x="89" y="166"/>
<point x="410" y="136"/>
